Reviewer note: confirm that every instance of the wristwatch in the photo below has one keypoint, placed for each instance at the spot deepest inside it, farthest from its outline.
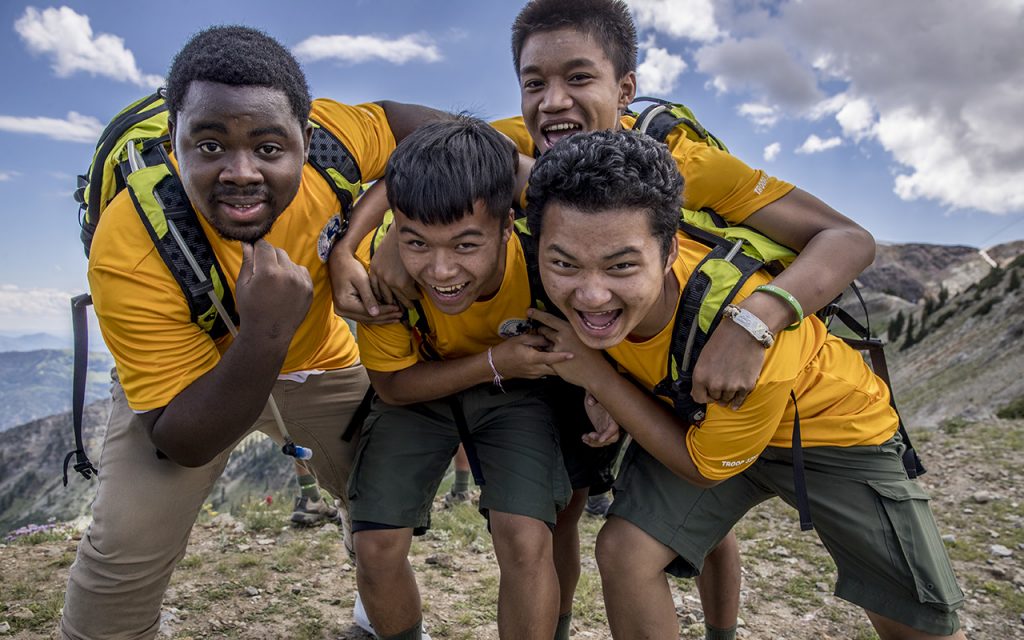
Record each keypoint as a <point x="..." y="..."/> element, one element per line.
<point x="751" y="323"/>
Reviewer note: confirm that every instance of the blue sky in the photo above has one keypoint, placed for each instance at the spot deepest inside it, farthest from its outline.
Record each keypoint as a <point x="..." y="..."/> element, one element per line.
<point x="904" y="116"/>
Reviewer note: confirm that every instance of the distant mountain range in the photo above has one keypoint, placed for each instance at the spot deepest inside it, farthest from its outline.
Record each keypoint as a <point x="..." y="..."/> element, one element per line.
<point x="34" y="384"/>
<point x="33" y="342"/>
<point x="959" y="353"/>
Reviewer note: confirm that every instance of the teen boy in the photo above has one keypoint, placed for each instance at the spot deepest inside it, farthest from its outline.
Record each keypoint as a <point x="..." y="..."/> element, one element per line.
<point x="469" y="375"/>
<point x="605" y="206"/>
<point x="576" y="64"/>
<point x="239" y="124"/>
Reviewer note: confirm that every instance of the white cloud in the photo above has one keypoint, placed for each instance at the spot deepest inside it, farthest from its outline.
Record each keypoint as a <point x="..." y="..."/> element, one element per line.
<point x="857" y="119"/>
<point x="814" y="144"/>
<point x="6" y="176"/>
<point x="772" y="151"/>
<point x="658" y="73"/>
<point x="353" y="49"/>
<point x="762" y="115"/>
<point x="34" y="310"/>
<point x="762" y="65"/>
<point x="944" y="99"/>
<point x="693" y="19"/>
<point x="67" y="38"/>
<point x="76" y="128"/>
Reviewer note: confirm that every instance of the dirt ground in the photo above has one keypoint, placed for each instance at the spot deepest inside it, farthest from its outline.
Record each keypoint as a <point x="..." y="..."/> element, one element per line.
<point x="249" y="575"/>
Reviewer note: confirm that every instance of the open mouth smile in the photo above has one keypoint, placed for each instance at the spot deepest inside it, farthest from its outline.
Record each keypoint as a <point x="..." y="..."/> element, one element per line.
<point x="450" y="292"/>
<point x="599" y="322"/>
<point x="555" y="132"/>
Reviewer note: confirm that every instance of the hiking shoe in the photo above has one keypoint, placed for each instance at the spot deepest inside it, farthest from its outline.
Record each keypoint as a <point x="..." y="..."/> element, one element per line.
<point x="309" y="512"/>
<point x="346" y="534"/>
<point x="360" y="618"/>
<point x="453" y="498"/>
<point x="598" y="505"/>
<point x="363" y="621"/>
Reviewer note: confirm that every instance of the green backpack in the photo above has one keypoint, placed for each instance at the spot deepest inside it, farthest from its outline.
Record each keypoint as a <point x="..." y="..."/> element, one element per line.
<point x="133" y="154"/>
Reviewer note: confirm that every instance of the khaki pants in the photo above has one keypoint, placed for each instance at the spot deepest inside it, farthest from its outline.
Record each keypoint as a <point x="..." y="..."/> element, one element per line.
<point x="145" y="506"/>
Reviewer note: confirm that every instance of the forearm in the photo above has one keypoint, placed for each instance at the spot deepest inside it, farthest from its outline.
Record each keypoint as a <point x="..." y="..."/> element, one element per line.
<point x="405" y="118"/>
<point x="425" y="381"/>
<point x="833" y="250"/>
<point x="649" y="421"/>
<point x="218" y="408"/>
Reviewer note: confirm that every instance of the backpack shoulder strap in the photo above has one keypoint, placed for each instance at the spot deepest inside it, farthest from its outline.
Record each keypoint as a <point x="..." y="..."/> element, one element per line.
<point x="662" y="116"/>
<point x="172" y="223"/>
<point x="714" y="284"/>
<point x="336" y="164"/>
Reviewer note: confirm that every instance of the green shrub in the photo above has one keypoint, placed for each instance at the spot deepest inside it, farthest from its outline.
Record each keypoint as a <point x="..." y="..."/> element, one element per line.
<point x="985" y="307"/>
<point x="1013" y="411"/>
<point x="994" y="277"/>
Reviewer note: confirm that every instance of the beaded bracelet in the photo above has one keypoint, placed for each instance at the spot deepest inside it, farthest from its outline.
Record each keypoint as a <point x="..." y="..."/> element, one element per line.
<point x="788" y="298"/>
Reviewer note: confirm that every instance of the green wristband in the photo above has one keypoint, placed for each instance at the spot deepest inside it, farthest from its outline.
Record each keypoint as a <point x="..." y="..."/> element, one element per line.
<point x="788" y="298"/>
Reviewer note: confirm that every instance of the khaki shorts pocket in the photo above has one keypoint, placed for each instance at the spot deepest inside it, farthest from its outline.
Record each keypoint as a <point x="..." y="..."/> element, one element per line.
<point x="914" y="543"/>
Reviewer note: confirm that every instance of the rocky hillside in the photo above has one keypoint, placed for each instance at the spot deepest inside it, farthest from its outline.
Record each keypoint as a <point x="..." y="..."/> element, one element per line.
<point x="32" y="455"/>
<point x="964" y="357"/>
<point x="248" y="575"/>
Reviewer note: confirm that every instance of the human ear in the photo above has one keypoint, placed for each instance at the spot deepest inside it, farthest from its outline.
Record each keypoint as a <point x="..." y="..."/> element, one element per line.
<point x="673" y="251"/>
<point x="627" y="90"/>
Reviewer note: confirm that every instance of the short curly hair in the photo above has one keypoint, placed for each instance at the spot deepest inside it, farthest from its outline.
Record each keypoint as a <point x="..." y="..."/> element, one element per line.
<point x="238" y="56"/>
<point x="608" y="22"/>
<point x="603" y="170"/>
<point x="438" y="172"/>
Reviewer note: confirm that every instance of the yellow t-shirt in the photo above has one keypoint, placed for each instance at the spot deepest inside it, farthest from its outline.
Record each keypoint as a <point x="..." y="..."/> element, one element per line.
<point x="841" y="402"/>
<point x="486" y="323"/>
<point x="144" y="316"/>
<point x="711" y="177"/>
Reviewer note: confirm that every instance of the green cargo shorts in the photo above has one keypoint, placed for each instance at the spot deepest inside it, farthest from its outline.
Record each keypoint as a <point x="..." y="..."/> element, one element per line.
<point x="588" y="467"/>
<point x="404" y="452"/>
<point x="872" y="519"/>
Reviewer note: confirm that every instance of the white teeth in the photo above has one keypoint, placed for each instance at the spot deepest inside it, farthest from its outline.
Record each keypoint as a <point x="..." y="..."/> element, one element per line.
<point x="564" y="126"/>
<point x="450" y="291"/>
<point x="589" y="318"/>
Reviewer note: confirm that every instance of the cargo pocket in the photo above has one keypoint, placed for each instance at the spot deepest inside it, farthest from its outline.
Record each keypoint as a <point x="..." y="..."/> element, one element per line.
<point x="357" y="462"/>
<point x="914" y="544"/>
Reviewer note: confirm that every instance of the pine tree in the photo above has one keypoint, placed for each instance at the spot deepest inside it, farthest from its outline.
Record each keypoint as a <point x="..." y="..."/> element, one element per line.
<point x="896" y="327"/>
<point x="1014" y="281"/>
<point x="911" y="339"/>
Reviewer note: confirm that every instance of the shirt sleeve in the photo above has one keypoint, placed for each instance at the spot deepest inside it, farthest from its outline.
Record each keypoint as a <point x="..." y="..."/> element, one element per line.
<point x="729" y="441"/>
<point x="515" y="129"/>
<point x="159" y="351"/>
<point x="363" y="129"/>
<point x="383" y="347"/>
<point x="719" y="180"/>
<point x="386" y="347"/>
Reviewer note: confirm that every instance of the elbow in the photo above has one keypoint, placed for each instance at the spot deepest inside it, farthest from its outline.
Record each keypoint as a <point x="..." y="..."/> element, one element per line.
<point x="388" y="398"/>
<point x="865" y="242"/>
<point x="386" y="393"/>
<point x="179" y="452"/>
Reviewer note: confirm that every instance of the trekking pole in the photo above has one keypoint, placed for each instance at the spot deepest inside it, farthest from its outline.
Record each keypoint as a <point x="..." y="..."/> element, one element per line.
<point x="289" y="448"/>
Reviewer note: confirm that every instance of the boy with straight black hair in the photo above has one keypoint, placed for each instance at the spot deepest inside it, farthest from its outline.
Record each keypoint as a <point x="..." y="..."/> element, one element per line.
<point x="462" y="368"/>
<point x="605" y="206"/>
